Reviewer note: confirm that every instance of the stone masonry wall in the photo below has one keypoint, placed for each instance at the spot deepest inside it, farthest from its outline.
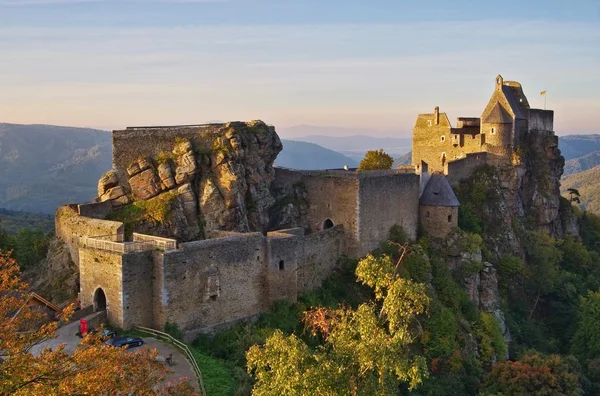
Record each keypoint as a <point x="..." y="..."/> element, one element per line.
<point x="102" y="269"/>
<point x="319" y="255"/>
<point x="137" y="295"/>
<point x="213" y="282"/>
<point x="438" y="221"/>
<point x="385" y="201"/>
<point x="69" y="226"/>
<point x="541" y="120"/>
<point x="429" y="142"/>
<point x="463" y="168"/>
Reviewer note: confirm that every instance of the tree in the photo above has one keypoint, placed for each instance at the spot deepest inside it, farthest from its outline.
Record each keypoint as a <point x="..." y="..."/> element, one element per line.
<point x="366" y="351"/>
<point x="574" y="195"/>
<point x="586" y="342"/>
<point x="376" y="160"/>
<point x="535" y="375"/>
<point x="93" y="368"/>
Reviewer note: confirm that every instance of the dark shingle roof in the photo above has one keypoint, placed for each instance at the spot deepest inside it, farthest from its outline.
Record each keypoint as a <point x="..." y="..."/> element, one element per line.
<point x="438" y="192"/>
<point x="513" y="101"/>
<point x="498" y="115"/>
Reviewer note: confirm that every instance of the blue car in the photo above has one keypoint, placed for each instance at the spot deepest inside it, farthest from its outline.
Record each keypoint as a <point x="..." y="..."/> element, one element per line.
<point x="123" y="341"/>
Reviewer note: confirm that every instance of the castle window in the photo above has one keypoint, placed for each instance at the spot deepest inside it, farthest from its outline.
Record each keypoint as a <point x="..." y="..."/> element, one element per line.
<point x="428" y="122"/>
<point x="443" y="138"/>
<point x="281" y="265"/>
<point x="493" y="130"/>
<point x="449" y="218"/>
<point x="427" y="215"/>
<point x="327" y="224"/>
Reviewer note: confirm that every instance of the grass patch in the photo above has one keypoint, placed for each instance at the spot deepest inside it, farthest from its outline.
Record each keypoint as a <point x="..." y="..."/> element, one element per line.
<point x="217" y="377"/>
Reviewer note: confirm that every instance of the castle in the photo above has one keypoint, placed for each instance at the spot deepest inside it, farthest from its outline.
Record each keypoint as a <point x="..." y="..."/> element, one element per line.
<point x="225" y="234"/>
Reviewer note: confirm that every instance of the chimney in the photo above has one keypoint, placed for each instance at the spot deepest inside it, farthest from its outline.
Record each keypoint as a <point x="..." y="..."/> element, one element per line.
<point x="436" y="115"/>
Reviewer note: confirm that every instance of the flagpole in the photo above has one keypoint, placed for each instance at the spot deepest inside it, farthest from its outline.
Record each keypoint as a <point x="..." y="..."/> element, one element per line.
<point x="545" y="96"/>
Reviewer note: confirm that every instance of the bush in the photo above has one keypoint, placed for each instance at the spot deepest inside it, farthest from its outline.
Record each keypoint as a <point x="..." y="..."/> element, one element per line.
<point x="173" y="330"/>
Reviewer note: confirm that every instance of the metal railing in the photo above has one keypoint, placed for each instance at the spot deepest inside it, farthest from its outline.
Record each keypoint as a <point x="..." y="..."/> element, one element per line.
<point x="182" y="347"/>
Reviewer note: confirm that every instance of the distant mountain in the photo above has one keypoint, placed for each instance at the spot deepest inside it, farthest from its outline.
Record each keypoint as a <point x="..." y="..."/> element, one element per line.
<point x="352" y="142"/>
<point x="582" y="163"/>
<point x="574" y="146"/>
<point x="588" y="185"/>
<point x="303" y="155"/>
<point x="44" y="166"/>
<point x="406" y="159"/>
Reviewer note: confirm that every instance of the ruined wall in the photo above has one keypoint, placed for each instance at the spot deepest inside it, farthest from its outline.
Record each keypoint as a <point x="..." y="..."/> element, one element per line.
<point x="541" y="120"/>
<point x="137" y="293"/>
<point x="69" y="227"/>
<point x="319" y="255"/>
<point x="96" y="210"/>
<point x="463" y="168"/>
<point x="384" y="201"/>
<point x="438" y="221"/>
<point x="284" y="255"/>
<point x="102" y="269"/>
<point x="212" y="282"/>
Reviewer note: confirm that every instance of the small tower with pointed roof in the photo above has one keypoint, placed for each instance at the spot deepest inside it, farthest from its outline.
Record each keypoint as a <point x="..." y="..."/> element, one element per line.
<point x="438" y="207"/>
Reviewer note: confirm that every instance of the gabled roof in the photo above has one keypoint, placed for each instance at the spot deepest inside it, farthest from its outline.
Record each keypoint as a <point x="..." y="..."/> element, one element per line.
<point x="438" y="192"/>
<point x="513" y="101"/>
<point x="498" y="115"/>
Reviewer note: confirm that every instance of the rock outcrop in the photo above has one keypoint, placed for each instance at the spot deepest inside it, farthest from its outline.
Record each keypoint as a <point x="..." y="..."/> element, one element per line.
<point x="219" y="180"/>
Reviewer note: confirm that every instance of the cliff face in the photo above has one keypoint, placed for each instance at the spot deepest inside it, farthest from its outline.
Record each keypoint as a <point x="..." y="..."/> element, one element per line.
<point x="214" y="180"/>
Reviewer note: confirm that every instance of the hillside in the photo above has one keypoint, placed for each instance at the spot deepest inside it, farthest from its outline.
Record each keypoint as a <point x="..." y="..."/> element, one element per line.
<point x="582" y="163"/>
<point x="12" y="221"/>
<point x="574" y="146"/>
<point x="44" y="166"/>
<point x="588" y="185"/>
<point x="303" y="155"/>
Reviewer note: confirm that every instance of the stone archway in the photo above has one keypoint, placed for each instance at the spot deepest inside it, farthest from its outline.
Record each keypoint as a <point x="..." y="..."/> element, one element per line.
<point x="99" y="300"/>
<point x="328" y="223"/>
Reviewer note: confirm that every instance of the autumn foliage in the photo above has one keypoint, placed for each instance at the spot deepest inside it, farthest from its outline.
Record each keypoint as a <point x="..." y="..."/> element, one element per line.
<point x="93" y="368"/>
<point x="376" y="160"/>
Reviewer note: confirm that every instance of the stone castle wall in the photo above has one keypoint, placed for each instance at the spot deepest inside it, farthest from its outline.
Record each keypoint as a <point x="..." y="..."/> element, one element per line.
<point x="385" y="201"/>
<point x="541" y="120"/>
<point x="438" y="221"/>
<point x="431" y="142"/>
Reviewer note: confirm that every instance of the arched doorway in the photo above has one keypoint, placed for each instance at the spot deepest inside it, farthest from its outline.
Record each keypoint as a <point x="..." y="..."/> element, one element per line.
<point x="328" y="224"/>
<point x="99" y="300"/>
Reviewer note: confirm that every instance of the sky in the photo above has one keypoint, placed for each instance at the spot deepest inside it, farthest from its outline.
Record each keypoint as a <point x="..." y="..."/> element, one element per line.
<point x="369" y="64"/>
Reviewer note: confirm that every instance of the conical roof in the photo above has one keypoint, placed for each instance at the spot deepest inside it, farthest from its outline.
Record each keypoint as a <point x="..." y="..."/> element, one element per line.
<point x="498" y="115"/>
<point x="438" y="192"/>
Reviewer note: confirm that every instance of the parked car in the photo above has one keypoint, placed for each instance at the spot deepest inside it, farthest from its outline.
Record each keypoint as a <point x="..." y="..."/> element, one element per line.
<point x="122" y="341"/>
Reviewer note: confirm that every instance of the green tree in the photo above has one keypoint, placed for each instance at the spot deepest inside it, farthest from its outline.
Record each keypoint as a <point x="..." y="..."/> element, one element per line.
<point x="542" y="270"/>
<point x="367" y="351"/>
<point x="586" y="342"/>
<point x="376" y="160"/>
<point x="574" y="195"/>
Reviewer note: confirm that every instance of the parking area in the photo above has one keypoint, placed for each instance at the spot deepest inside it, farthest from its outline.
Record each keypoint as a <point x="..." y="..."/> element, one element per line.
<point x="180" y="367"/>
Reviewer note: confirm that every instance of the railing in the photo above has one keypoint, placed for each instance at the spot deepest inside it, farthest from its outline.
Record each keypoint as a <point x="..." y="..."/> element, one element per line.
<point x="182" y="347"/>
<point x="158" y="242"/>
<point x="115" y="243"/>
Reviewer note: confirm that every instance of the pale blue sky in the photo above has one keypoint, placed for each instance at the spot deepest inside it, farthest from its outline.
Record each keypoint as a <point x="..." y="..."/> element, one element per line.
<point x="376" y="64"/>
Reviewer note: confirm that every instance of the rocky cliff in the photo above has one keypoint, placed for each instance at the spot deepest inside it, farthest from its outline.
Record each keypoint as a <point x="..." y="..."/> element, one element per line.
<point x="218" y="178"/>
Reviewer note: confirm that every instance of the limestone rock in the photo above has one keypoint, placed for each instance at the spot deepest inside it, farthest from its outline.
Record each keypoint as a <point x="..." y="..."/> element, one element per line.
<point x="489" y="297"/>
<point x="116" y="195"/>
<point x="166" y="175"/>
<point x="133" y="169"/>
<point x="186" y="168"/>
<point x="145" y="185"/>
<point x="107" y="181"/>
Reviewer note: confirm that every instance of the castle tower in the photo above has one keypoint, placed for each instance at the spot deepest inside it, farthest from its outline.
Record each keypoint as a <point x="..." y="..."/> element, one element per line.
<point x="438" y="207"/>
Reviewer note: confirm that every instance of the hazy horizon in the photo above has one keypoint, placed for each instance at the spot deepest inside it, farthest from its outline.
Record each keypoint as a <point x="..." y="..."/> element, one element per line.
<point x="109" y="64"/>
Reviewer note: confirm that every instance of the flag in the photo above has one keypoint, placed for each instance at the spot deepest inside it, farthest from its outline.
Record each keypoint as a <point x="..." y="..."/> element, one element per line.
<point x="543" y="93"/>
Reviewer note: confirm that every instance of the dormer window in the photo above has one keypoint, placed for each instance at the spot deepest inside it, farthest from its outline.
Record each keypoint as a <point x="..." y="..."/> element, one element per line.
<point x="429" y="122"/>
<point x="493" y="130"/>
<point x="443" y="138"/>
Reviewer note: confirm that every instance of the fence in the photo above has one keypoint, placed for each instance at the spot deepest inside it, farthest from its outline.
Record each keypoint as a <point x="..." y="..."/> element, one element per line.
<point x="182" y="347"/>
<point x="115" y="243"/>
